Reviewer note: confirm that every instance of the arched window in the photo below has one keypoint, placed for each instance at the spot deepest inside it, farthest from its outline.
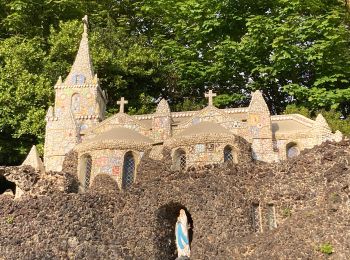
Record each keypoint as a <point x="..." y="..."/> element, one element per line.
<point x="228" y="156"/>
<point x="180" y="160"/>
<point x="128" y="170"/>
<point x="87" y="167"/>
<point x="75" y="103"/>
<point x="292" y="150"/>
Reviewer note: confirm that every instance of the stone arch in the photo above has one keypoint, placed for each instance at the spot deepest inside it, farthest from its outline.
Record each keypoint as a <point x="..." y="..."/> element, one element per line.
<point x="166" y="219"/>
<point x="180" y="160"/>
<point x="76" y="103"/>
<point x="292" y="150"/>
<point x="129" y="169"/>
<point x="85" y="170"/>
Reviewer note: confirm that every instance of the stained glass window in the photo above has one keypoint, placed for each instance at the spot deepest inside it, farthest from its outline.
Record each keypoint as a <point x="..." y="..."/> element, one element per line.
<point x="78" y="79"/>
<point x="183" y="162"/>
<point x="228" y="154"/>
<point x="88" y="167"/>
<point x="128" y="170"/>
<point x="180" y="160"/>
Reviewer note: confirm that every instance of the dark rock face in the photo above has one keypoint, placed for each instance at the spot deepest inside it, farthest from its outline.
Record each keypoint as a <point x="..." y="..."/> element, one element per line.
<point x="24" y="177"/>
<point x="308" y="198"/>
<point x="70" y="163"/>
<point x="6" y="185"/>
<point x="33" y="182"/>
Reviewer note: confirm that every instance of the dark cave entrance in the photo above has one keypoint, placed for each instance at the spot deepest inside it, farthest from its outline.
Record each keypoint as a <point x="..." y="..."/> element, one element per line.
<point x="165" y="233"/>
<point x="6" y="185"/>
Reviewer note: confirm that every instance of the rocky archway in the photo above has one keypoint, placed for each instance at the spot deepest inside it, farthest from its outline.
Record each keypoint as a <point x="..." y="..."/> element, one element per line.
<point x="165" y="233"/>
<point x="6" y="185"/>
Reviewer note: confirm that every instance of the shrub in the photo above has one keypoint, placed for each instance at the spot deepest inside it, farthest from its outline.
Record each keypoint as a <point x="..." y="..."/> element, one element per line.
<point x="326" y="248"/>
<point x="10" y="220"/>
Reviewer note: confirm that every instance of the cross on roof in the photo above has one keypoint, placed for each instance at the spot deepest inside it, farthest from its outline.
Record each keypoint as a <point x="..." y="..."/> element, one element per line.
<point x="210" y="96"/>
<point x="122" y="102"/>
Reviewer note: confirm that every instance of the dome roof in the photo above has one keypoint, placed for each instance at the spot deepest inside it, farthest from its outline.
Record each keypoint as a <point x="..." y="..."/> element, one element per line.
<point x="204" y="128"/>
<point x="116" y="138"/>
<point x="203" y="132"/>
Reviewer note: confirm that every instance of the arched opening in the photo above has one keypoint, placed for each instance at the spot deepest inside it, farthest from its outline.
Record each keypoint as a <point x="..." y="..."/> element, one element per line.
<point x="292" y="150"/>
<point x="180" y="160"/>
<point x="128" y="170"/>
<point x="6" y="185"/>
<point x="86" y="170"/>
<point x="75" y="103"/>
<point x="228" y="154"/>
<point x="166" y="219"/>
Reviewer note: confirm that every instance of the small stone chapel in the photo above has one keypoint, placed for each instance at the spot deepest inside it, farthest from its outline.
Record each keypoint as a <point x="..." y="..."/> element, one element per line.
<point x="115" y="145"/>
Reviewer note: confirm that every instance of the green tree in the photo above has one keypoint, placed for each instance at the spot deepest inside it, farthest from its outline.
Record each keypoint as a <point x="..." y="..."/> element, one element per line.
<point x="296" y="51"/>
<point x="25" y="95"/>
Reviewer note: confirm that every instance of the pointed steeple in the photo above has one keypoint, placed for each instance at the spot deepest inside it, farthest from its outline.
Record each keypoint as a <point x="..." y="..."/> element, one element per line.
<point x="161" y="122"/>
<point x="34" y="160"/>
<point x="82" y="70"/>
<point x="257" y="103"/>
<point x="321" y="122"/>
<point x="322" y="130"/>
<point x="163" y="107"/>
<point x="59" y="81"/>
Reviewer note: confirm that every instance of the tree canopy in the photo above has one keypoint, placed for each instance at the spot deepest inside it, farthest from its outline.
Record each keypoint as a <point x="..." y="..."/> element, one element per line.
<point x="296" y="51"/>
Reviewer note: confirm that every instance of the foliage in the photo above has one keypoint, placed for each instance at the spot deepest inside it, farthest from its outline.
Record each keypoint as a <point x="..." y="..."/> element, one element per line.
<point x="10" y="220"/>
<point x="294" y="109"/>
<point x="25" y="94"/>
<point x="326" y="248"/>
<point x="295" y="51"/>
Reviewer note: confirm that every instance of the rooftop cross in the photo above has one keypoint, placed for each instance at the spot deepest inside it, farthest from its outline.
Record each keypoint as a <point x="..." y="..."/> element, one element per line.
<point x="122" y="102"/>
<point x="210" y="96"/>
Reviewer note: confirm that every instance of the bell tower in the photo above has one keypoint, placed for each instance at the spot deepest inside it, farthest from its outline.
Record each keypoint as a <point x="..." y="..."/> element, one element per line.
<point x="80" y="104"/>
<point x="161" y="122"/>
<point x="259" y="124"/>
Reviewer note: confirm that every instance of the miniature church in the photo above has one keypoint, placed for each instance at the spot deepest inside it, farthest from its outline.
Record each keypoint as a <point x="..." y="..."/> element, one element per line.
<point x="115" y="145"/>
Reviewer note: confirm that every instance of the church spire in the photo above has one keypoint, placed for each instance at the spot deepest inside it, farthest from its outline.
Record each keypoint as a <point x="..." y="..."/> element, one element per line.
<point x="258" y="104"/>
<point x="82" y="70"/>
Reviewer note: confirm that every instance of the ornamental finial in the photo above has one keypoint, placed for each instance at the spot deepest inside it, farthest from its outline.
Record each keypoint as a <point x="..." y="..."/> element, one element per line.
<point x="86" y="23"/>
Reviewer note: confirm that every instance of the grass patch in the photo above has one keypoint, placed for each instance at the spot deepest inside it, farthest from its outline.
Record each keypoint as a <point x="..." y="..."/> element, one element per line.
<point x="326" y="248"/>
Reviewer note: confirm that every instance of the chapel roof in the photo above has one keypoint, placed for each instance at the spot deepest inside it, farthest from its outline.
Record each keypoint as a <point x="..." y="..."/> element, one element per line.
<point x="204" y="128"/>
<point x="121" y="134"/>
<point x="287" y="126"/>
<point x="116" y="138"/>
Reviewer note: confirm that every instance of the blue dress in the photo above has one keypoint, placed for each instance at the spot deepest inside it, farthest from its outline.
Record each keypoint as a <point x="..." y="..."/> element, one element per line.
<point x="182" y="239"/>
